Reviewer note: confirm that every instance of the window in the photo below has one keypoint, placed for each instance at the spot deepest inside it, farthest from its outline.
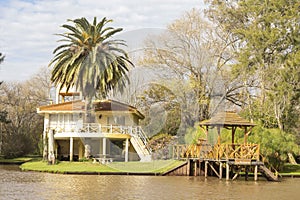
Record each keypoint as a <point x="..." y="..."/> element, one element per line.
<point x="116" y="120"/>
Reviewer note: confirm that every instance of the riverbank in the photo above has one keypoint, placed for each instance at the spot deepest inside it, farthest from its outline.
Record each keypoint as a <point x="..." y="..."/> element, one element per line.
<point x="130" y="168"/>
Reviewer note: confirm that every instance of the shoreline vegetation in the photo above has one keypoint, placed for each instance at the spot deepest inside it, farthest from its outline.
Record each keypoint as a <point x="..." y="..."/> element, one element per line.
<point x="157" y="167"/>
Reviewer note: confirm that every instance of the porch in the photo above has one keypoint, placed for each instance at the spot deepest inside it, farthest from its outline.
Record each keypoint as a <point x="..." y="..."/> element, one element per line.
<point x="81" y="140"/>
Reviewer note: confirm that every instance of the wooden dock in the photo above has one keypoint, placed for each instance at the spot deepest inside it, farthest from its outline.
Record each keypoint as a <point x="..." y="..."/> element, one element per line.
<point x="228" y="161"/>
<point x="224" y="160"/>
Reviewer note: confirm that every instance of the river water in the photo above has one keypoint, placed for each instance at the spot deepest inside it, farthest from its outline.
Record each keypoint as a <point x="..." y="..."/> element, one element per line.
<point x="15" y="184"/>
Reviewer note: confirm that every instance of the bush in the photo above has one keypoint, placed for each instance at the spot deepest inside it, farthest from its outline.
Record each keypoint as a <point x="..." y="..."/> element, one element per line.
<point x="193" y="134"/>
<point x="16" y="145"/>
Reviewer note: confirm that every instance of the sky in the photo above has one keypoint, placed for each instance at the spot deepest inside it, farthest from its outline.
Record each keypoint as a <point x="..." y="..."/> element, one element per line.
<point x="28" y="27"/>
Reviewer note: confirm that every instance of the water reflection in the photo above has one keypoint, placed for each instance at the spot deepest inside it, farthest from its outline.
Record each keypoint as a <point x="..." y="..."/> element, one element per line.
<point x="15" y="184"/>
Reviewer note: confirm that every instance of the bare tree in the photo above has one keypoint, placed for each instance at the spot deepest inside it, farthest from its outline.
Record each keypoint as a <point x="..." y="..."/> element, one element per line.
<point x="194" y="59"/>
<point x="20" y="100"/>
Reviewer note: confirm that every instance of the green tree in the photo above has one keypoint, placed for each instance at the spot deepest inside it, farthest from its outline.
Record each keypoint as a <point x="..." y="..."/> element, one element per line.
<point x="266" y="34"/>
<point x="275" y="144"/>
<point x="89" y="59"/>
<point x="194" y="134"/>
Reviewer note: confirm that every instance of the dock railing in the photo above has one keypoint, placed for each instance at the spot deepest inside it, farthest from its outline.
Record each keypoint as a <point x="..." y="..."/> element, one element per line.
<point x="217" y="152"/>
<point x="191" y="151"/>
<point x="234" y="151"/>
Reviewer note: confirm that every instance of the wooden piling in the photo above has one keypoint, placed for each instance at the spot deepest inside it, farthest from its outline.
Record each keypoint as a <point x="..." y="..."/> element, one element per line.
<point x="188" y="167"/>
<point x="195" y="168"/>
<point x="255" y="172"/>
<point x="227" y="171"/>
<point x="220" y="170"/>
<point x="205" y="168"/>
<point x="246" y="173"/>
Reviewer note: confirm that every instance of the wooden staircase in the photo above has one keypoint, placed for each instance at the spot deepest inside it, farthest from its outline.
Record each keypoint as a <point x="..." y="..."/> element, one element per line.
<point x="270" y="176"/>
<point x="139" y="141"/>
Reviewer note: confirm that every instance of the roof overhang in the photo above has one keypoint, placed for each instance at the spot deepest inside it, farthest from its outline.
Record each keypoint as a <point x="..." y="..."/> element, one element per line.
<point x="227" y="119"/>
<point x="98" y="106"/>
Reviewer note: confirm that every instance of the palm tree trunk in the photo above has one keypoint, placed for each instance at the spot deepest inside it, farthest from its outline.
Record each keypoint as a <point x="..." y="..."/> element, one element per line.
<point x="89" y="117"/>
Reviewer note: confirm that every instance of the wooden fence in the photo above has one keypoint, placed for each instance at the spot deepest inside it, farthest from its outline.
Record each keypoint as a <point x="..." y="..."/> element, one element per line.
<point x="217" y="152"/>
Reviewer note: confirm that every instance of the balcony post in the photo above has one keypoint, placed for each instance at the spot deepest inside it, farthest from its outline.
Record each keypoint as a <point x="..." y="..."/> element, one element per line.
<point x="51" y="142"/>
<point x="126" y="149"/>
<point x="71" y="148"/>
<point x="104" y="147"/>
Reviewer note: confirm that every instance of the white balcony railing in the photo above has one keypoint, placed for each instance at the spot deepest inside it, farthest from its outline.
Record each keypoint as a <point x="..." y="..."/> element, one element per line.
<point x="95" y="128"/>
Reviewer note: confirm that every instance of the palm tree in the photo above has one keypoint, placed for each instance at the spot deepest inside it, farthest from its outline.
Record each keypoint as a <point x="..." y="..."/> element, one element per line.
<point x="1" y="57"/>
<point x="89" y="59"/>
<point x="1" y="60"/>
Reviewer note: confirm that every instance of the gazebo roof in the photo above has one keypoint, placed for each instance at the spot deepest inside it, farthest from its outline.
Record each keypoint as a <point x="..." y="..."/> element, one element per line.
<point x="226" y="119"/>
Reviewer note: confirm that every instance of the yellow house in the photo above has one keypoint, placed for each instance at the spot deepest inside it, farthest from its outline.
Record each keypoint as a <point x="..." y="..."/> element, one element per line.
<point x="114" y="133"/>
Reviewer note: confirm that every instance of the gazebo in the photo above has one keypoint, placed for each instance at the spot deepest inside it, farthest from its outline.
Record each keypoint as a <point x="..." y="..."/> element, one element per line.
<point x="236" y="158"/>
<point x="228" y="120"/>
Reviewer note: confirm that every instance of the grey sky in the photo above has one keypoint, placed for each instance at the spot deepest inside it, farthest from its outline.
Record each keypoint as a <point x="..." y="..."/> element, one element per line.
<point x="27" y="27"/>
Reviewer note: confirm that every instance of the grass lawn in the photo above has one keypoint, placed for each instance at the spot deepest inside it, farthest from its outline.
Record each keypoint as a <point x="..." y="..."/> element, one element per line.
<point x="114" y="167"/>
<point x="65" y="166"/>
<point x="15" y="160"/>
<point x="290" y="169"/>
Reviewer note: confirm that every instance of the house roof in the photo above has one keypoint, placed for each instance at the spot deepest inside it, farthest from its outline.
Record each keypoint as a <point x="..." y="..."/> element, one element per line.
<point x="79" y="106"/>
<point x="63" y="107"/>
<point x="112" y="105"/>
<point x="226" y="119"/>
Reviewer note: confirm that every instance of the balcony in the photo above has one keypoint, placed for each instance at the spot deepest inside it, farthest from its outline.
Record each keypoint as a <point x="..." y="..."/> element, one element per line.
<point x="92" y="130"/>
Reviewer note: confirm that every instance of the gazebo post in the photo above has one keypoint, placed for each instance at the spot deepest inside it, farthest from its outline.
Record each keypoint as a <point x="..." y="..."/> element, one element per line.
<point x="232" y="134"/>
<point x="206" y="132"/>
<point x="245" y="135"/>
<point x="219" y="134"/>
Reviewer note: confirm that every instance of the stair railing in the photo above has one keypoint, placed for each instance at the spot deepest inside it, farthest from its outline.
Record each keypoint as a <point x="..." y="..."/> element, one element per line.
<point x="138" y="131"/>
<point x="269" y="166"/>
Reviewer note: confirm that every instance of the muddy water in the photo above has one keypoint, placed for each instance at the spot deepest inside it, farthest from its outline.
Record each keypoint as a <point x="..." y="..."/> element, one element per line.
<point x="15" y="184"/>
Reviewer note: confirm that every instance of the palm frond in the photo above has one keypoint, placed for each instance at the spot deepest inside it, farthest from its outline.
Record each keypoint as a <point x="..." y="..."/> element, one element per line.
<point x="88" y="60"/>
